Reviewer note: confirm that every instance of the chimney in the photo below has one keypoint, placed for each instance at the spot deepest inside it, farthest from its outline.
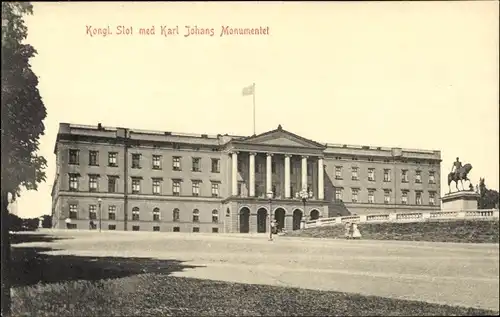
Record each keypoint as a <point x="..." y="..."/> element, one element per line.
<point x="99" y="126"/>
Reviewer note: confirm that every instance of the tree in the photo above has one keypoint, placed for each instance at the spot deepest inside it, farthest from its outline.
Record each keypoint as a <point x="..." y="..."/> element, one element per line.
<point x="488" y="197"/>
<point x="22" y="118"/>
<point x="47" y="221"/>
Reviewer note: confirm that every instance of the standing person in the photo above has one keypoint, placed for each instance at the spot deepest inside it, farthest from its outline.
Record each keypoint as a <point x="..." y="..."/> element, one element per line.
<point x="347" y="230"/>
<point x="355" y="231"/>
<point x="273" y="225"/>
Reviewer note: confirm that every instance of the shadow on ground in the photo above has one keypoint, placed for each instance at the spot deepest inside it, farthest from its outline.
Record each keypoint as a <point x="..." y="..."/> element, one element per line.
<point x="31" y="266"/>
<point x="18" y="238"/>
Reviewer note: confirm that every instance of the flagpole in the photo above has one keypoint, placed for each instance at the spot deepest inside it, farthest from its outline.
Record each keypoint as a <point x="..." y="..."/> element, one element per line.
<point x="253" y="96"/>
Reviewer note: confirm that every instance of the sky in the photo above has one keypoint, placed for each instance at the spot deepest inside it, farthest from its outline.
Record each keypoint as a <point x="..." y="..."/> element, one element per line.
<point x="399" y="74"/>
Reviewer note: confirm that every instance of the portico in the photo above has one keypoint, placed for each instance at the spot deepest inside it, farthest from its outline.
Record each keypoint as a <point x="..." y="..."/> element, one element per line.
<point x="275" y="158"/>
<point x="282" y="163"/>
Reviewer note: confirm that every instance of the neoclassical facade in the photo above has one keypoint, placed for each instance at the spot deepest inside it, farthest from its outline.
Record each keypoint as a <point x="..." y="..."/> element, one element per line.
<point x="129" y="179"/>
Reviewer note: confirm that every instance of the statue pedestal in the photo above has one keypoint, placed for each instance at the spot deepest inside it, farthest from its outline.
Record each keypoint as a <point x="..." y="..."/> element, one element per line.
<point x="460" y="201"/>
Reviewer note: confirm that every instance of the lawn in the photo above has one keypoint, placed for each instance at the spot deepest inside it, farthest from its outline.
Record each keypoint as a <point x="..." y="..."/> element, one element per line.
<point x="162" y="295"/>
<point x="460" y="231"/>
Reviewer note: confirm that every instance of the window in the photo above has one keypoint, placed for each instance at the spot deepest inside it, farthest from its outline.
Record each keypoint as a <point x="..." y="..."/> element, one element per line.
<point x="215" y="230"/>
<point x="240" y="188"/>
<point x="156" y="186"/>
<point x="338" y="172"/>
<point x="371" y="196"/>
<point x="196" y="215"/>
<point x="354" y="193"/>
<point x="92" y="212"/>
<point x="387" y="175"/>
<point x="112" y="212"/>
<point x="135" y="228"/>
<point x="156" y="228"/>
<point x="92" y="183"/>
<point x="432" y="178"/>
<point x="175" y="215"/>
<point x="156" y="214"/>
<point x="196" y="164"/>
<point x="73" y="211"/>
<point x="113" y="159"/>
<point x="111" y="227"/>
<point x="258" y="190"/>
<point x="292" y="191"/>
<point x="354" y="173"/>
<point x="309" y="169"/>
<point x="418" y="177"/>
<point x="176" y="229"/>
<point x="73" y="182"/>
<point x="215" y="216"/>
<point x="196" y="229"/>
<point x="136" y="161"/>
<point x="273" y="167"/>
<point x="432" y="198"/>
<point x="112" y="184"/>
<point x="240" y="165"/>
<point x="371" y="174"/>
<point x="136" y="185"/>
<point x="135" y="213"/>
<point x="258" y="166"/>
<point x="404" y="176"/>
<point x="404" y="197"/>
<point x="215" y="165"/>
<point x="418" y="198"/>
<point x="71" y="225"/>
<point x="196" y="188"/>
<point x="93" y="158"/>
<point x="338" y="194"/>
<point x="387" y="197"/>
<point x="74" y="157"/>
<point x="176" y="187"/>
<point x="215" y="189"/>
<point x="176" y="163"/>
<point x="157" y="162"/>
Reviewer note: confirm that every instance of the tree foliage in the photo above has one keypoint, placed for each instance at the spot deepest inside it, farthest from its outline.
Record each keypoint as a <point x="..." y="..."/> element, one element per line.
<point x="22" y="118"/>
<point x="489" y="198"/>
<point x="23" y="111"/>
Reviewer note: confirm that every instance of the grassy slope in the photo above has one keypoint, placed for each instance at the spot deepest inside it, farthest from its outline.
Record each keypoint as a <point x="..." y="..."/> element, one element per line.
<point x="464" y="231"/>
<point x="161" y="295"/>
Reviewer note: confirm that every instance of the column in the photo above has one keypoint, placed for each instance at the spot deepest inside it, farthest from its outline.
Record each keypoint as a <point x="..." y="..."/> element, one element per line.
<point x="321" y="183"/>
<point x="287" y="176"/>
<point x="251" y="176"/>
<point x="269" y="166"/>
<point x="234" y="174"/>
<point x="304" y="173"/>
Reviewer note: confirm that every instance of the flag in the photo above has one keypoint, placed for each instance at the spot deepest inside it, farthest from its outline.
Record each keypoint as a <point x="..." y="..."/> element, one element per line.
<point x="250" y="90"/>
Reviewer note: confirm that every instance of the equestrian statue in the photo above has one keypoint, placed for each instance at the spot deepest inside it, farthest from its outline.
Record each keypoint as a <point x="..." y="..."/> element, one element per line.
<point x="459" y="173"/>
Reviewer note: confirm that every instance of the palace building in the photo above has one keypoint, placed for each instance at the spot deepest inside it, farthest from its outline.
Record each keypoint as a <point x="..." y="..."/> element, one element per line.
<point x="136" y="180"/>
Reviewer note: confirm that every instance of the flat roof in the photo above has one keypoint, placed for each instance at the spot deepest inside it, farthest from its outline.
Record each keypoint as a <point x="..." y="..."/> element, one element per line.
<point x="169" y="136"/>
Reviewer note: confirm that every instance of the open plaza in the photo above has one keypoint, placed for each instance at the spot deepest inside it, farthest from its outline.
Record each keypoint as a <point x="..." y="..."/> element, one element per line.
<point x="453" y="274"/>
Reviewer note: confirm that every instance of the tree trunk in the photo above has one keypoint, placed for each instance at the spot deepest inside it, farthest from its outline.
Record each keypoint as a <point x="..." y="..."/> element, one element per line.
<point x="6" y="280"/>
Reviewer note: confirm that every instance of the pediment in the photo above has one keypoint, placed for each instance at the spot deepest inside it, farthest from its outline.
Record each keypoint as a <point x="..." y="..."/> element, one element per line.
<point x="280" y="137"/>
